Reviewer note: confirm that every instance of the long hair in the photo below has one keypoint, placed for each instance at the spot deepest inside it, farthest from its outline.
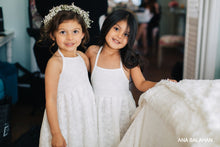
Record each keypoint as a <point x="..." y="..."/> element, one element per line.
<point x="129" y="58"/>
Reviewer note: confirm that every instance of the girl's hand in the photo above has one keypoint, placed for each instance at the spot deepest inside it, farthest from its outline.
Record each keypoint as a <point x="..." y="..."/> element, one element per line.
<point x="58" y="140"/>
<point x="172" y="80"/>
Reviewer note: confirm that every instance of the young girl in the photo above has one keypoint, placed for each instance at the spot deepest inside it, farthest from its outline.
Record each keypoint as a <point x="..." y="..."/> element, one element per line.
<point x="112" y="63"/>
<point x="147" y="30"/>
<point x="70" y="116"/>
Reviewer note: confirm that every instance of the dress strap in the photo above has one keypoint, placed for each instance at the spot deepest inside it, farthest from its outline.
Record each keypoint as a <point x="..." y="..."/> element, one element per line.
<point x="78" y="55"/>
<point x="60" y="53"/>
<point x="97" y="56"/>
<point x="121" y="65"/>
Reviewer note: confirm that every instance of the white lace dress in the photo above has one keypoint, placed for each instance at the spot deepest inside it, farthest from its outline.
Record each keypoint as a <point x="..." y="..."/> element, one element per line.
<point x="77" y="114"/>
<point x="115" y="103"/>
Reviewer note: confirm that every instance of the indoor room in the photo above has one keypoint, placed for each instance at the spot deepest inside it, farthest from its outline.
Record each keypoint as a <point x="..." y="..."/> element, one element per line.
<point x="175" y="40"/>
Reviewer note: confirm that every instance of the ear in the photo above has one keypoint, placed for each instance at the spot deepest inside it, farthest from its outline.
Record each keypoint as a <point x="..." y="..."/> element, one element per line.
<point x="83" y="34"/>
<point x="52" y="37"/>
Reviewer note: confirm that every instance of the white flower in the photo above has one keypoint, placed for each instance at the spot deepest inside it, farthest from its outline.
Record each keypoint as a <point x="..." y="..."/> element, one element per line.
<point x="55" y="10"/>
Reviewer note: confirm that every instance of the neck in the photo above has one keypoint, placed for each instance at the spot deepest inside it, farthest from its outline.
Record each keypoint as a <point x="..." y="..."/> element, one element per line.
<point x="106" y="50"/>
<point x="69" y="53"/>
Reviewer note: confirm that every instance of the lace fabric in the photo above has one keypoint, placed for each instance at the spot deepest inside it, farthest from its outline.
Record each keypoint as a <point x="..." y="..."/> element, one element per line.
<point x="76" y="108"/>
<point x="115" y="103"/>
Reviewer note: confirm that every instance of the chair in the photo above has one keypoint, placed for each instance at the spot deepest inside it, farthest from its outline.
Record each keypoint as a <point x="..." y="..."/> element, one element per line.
<point x="31" y="89"/>
<point x="31" y="85"/>
<point x="42" y="52"/>
<point x="8" y="75"/>
<point x="169" y="41"/>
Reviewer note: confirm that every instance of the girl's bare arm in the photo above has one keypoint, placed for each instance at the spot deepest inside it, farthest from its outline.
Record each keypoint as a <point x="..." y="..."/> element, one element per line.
<point x="52" y="73"/>
<point x="139" y="80"/>
<point x="91" y="53"/>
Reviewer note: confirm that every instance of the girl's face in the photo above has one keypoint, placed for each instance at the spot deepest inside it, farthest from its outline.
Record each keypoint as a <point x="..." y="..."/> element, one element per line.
<point x="69" y="35"/>
<point x="117" y="37"/>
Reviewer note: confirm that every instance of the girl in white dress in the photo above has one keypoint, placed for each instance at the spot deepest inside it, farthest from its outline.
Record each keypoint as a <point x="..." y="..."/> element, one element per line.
<point x="70" y="118"/>
<point x="112" y="63"/>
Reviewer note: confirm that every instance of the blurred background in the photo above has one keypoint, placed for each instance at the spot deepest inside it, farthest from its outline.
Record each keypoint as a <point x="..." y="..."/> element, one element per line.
<point x="183" y="44"/>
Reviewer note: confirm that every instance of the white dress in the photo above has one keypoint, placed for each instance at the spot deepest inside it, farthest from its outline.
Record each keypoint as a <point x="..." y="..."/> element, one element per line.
<point x="77" y="113"/>
<point x="115" y="103"/>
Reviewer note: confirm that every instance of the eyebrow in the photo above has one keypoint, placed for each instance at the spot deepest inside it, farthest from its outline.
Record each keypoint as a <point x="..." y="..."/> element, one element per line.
<point x="117" y="24"/>
<point x="65" y="29"/>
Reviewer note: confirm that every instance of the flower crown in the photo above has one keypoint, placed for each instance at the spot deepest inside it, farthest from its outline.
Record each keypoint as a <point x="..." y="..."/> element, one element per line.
<point x="55" y="10"/>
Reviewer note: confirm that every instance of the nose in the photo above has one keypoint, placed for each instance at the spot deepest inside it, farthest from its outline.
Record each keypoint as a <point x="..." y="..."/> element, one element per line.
<point x="69" y="36"/>
<point x="120" y="34"/>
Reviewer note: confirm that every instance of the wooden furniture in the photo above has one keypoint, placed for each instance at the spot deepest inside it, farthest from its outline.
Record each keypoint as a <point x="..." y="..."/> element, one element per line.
<point x="169" y="41"/>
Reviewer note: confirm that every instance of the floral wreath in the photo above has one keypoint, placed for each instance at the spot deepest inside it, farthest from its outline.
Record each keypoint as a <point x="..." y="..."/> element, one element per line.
<point x="55" y="10"/>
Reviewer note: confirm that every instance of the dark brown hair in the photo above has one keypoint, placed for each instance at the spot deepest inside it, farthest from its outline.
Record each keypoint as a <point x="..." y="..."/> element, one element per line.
<point x="60" y="17"/>
<point x="129" y="58"/>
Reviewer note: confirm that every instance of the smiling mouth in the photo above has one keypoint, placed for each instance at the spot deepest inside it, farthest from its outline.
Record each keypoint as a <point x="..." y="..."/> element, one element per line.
<point x="116" y="41"/>
<point x="69" y="44"/>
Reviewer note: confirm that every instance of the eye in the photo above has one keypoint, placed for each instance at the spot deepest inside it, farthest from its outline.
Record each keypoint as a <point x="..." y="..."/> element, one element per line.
<point x="75" y="31"/>
<point x="126" y="34"/>
<point x="116" y="28"/>
<point x="62" y="32"/>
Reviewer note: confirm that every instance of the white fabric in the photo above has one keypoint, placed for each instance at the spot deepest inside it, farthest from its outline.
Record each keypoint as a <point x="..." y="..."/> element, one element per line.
<point x="77" y="114"/>
<point x="189" y="111"/>
<point x="101" y="21"/>
<point x="115" y="103"/>
<point x="144" y="17"/>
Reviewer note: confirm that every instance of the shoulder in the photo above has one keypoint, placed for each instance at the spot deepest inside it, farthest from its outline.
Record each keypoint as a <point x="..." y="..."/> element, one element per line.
<point x="92" y="51"/>
<point x="54" y="64"/>
<point x="55" y="59"/>
<point x="85" y="58"/>
<point x="83" y="55"/>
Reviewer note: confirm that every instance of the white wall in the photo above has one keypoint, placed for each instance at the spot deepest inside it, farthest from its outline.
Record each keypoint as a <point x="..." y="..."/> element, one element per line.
<point x="171" y="23"/>
<point x="15" y="14"/>
<point x="217" y="63"/>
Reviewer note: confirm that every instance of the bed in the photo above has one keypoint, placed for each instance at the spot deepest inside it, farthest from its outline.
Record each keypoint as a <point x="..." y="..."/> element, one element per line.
<point x="183" y="114"/>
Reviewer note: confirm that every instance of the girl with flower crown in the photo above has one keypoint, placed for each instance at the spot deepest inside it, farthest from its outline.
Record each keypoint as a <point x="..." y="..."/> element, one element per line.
<point x="70" y="115"/>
